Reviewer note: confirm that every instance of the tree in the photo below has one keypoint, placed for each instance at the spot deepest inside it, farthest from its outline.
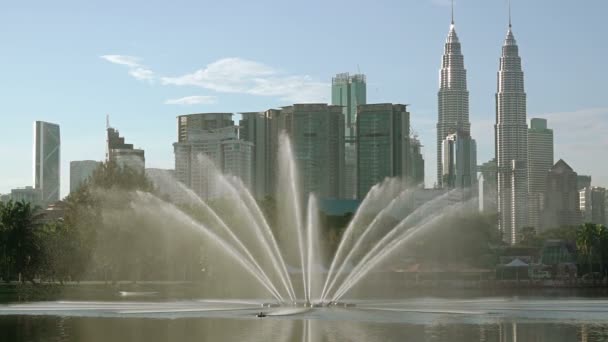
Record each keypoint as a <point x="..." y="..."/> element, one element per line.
<point x="22" y="250"/>
<point x="592" y="242"/>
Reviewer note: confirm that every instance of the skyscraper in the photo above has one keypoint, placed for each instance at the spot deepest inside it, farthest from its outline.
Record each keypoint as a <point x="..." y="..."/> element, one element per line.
<point x="349" y="92"/>
<point x="453" y="96"/>
<point x="80" y="172"/>
<point x="459" y="153"/>
<point x="255" y="127"/>
<point x="416" y="162"/>
<point x="511" y="134"/>
<point x="383" y="147"/>
<point x="123" y="154"/>
<point x="211" y="137"/>
<point x="488" y="187"/>
<point x="316" y="131"/>
<point x="47" y="158"/>
<point x="561" y="198"/>
<point x="540" y="161"/>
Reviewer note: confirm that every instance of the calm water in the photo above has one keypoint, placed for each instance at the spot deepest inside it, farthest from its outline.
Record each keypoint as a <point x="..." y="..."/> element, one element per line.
<point x="418" y="319"/>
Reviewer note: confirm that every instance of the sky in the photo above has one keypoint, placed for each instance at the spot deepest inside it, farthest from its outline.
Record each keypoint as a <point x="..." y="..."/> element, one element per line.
<point x="145" y="62"/>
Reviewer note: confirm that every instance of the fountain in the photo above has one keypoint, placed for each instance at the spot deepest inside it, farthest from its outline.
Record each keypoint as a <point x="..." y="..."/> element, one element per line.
<point x="287" y="263"/>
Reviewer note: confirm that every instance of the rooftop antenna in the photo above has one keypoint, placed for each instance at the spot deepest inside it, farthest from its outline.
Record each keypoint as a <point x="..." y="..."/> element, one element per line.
<point x="107" y="121"/>
<point x="358" y="69"/>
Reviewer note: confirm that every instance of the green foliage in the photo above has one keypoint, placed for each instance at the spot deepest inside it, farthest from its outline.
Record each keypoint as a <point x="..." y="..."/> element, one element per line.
<point x="21" y="251"/>
<point x="592" y="244"/>
<point x="100" y="236"/>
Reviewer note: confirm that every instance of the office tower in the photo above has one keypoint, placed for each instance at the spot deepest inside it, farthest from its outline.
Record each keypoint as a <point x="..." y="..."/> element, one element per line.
<point x="488" y="188"/>
<point x="255" y="128"/>
<point x="540" y="160"/>
<point x="416" y="162"/>
<point x="47" y="159"/>
<point x="561" y="198"/>
<point x="511" y="134"/>
<point x="383" y="147"/>
<point x="453" y="96"/>
<point x="80" y="172"/>
<point x="123" y="154"/>
<point x="317" y="136"/>
<point x="202" y="142"/>
<point x="349" y="92"/>
<point x="459" y="153"/>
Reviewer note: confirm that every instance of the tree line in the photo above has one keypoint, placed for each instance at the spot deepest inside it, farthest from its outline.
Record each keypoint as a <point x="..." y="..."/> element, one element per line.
<point x="99" y="236"/>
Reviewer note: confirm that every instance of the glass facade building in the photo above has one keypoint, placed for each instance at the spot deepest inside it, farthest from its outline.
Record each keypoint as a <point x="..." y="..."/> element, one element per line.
<point x="47" y="159"/>
<point x="316" y="131"/>
<point x="540" y="161"/>
<point x="80" y="172"/>
<point x="349" y="91"/>
<point x="383" y="144"/>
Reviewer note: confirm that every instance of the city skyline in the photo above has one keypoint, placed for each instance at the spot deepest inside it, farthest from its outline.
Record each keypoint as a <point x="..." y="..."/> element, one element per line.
<point x="81" y="112"/>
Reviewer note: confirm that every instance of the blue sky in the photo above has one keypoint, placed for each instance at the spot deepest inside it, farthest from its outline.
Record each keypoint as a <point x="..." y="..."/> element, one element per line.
<point x="145" y="62"/>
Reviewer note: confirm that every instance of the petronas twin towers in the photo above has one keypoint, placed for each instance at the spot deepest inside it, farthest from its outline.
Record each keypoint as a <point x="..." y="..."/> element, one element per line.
<point x="511" y="139"/>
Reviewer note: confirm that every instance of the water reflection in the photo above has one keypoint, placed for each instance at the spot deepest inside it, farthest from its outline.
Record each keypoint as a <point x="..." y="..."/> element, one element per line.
<point x="49" y="328"/>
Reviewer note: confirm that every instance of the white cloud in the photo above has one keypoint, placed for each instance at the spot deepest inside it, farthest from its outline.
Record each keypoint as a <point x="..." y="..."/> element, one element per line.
<point x="236" y="75"/>
<point x="192" y="100"/>
<point x="142" y="74"/>
<point x="129" y="61"/>
<point x="136" y="69"/>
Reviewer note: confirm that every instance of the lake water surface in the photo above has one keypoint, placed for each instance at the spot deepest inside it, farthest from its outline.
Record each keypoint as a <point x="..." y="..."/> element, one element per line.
<point x="414" y="319"/>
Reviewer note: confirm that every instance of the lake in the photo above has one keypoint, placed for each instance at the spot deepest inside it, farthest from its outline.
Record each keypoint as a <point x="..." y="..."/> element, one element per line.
<point x="412" y="319"/>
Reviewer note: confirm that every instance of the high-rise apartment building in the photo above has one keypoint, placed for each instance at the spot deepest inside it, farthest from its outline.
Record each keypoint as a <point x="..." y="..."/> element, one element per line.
<point x="540" y="161"/>
<point x="511" y="134"/>
<point x="453" y="97"/>
<point x="191" y="126"/>
<point x="349" y="91"/>
<point x="255" y="127"/>
<point x="123" y="154"/>
<point x="80" y="172"/>
<point x="47" y="160"/>
<point x="202" y="142"/>
<point x="383" y="144"/>
<point x="561" y="198"/>
<point x="317" y="135"/>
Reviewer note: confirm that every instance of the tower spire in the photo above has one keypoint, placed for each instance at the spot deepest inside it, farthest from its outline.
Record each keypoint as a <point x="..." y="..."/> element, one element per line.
<point x="452" y="12"/>
<point x="509" y="13"/>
